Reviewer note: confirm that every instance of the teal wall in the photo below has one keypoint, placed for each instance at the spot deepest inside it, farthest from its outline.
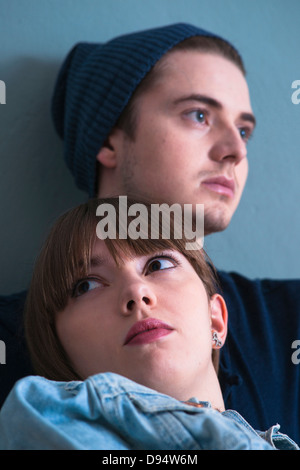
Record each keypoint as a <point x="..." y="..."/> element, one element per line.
<point x="35" y="186"/>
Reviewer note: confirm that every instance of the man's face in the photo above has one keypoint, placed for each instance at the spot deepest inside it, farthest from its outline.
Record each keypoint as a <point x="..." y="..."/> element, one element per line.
<point x="190" y="139"/>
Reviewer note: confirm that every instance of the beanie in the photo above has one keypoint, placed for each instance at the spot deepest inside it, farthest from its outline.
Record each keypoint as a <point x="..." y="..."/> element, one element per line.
<point x="94" y="86"/>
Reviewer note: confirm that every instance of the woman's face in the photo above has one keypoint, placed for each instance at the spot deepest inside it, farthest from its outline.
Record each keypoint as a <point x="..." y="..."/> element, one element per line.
<point x="149" y="320"/>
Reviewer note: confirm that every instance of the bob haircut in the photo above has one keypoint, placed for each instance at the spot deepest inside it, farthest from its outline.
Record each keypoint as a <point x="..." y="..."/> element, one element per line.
<point x="65" y="258"/>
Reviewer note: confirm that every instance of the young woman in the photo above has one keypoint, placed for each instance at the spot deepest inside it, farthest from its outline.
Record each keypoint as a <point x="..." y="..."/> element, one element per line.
<point x="123" y="333"/>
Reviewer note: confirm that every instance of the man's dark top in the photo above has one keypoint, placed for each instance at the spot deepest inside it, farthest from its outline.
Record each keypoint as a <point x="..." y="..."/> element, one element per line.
<point x="259" y="379"/>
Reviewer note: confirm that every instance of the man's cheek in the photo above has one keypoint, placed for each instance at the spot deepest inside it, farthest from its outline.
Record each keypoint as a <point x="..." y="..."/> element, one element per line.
<point x="242" y="174"/>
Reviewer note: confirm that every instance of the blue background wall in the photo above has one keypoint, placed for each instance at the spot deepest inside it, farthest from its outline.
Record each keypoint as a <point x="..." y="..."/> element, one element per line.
<point x="35" y="186"/>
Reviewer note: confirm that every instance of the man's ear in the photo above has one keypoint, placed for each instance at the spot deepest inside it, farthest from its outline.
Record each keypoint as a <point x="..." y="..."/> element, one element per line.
<point x="219" y="316"/>
<point x="108" y="154"/>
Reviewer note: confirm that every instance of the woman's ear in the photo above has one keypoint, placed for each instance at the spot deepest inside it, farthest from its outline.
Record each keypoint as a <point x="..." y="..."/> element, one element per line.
<point x="219" y="317"/>
<point x="108" y="154"/>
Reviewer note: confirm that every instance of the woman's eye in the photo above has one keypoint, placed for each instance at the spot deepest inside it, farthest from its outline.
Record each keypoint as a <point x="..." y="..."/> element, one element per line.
<point x="160" y="264"/>
<point x="85" y="285"/>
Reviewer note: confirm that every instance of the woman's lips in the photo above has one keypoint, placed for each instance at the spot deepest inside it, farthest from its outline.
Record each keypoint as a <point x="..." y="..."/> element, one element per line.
<point x="221" y="185"/>
<point x="147" y="331"/>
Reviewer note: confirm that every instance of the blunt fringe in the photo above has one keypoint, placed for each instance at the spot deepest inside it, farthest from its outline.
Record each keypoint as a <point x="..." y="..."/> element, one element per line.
<point x="65" y="258"/>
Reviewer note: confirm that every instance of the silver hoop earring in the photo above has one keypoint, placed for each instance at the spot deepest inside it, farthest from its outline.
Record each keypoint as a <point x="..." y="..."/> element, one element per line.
<point x="215" y="338"/>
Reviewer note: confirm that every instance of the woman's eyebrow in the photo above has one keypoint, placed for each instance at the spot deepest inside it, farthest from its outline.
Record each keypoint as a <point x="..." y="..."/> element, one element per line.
<point x="97" y="261"/>
<point x="245" y="116"/>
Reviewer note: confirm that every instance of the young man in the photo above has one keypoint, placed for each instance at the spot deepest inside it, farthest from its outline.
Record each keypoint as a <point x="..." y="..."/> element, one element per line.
<point x="160" y="116"/>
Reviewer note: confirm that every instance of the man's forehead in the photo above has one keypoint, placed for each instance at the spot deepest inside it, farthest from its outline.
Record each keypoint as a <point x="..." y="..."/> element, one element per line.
<point x="180" y="74"/>
<point x="174" y="57"/>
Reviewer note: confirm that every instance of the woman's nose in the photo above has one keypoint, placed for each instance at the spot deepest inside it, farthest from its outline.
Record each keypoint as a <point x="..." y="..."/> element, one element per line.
<point x="137" y="296"/>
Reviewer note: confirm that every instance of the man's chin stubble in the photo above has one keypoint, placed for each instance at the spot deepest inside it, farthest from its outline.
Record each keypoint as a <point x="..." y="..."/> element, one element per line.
<point x="215" y="221"/>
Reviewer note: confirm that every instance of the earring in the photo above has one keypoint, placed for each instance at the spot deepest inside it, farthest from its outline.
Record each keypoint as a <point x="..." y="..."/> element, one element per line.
<point x="215" y="338"/>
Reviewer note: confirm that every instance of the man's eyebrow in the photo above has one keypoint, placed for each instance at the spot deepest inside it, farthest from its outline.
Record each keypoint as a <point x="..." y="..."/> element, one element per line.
<point x="202" y="99"/>
<point x="214" y="104"/>
<point x="248" y="117"/>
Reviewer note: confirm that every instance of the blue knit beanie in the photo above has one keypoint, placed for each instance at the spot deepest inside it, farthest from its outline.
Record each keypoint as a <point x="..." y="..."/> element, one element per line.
<point x="94" y="86"/>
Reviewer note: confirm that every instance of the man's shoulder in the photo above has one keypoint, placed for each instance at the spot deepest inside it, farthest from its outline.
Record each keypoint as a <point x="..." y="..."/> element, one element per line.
<point x="266" y="284"/>
<point x="240" y="290"/>
<point x="16" y="363"/>
<point x="11" y="311"/>
<point x="257" y="374"/>
<point x="259" y="307"/>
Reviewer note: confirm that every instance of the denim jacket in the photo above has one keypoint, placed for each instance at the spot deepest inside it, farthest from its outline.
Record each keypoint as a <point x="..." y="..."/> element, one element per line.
<point x="110" y="412"/>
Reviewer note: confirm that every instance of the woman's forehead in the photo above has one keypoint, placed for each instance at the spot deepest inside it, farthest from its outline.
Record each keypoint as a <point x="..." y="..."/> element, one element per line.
<point x="113" y="252"/>
<point x="101" y="256"/>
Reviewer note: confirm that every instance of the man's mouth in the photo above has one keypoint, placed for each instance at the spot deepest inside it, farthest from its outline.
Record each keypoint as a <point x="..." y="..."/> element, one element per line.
<point x="220" y="185"/>
<point x="147" y="331"/>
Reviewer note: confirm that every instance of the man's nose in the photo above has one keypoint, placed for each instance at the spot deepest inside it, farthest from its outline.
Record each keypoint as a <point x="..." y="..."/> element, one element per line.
<point x="137" y="296"/>
<point x="229" y="146"/>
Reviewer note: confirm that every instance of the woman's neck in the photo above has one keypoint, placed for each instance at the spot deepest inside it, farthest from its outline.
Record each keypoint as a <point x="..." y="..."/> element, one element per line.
<point x="205" y="388"/>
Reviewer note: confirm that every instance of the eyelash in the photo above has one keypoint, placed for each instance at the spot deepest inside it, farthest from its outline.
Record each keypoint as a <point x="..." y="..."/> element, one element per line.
<point x="77" y="284"/>
<point x="163" y="255"/>
<point x="248" y="132"/>
<point x="198" y="111"/>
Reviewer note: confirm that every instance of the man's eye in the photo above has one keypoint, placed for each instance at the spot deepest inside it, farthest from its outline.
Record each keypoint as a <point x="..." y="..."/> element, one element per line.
<point x="85" y="285"/>
<point x="245" y="134"/>
<point x="198" y="115"/>
<point x="160" y="264"/>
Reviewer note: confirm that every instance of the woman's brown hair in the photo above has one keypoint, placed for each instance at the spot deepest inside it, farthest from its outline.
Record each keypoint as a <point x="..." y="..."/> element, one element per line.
<point x="65" y="258"/>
